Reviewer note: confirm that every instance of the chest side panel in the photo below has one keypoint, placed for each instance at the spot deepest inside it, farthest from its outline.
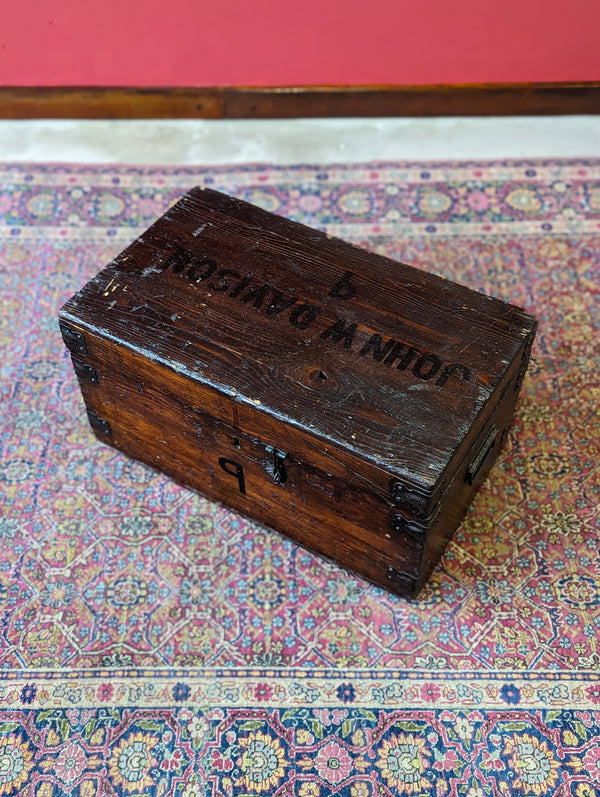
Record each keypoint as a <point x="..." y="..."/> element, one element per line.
<point x="281" y="479"/>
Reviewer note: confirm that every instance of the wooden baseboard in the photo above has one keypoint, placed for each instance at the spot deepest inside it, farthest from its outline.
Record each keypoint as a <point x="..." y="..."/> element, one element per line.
<point x="494" y="99"/>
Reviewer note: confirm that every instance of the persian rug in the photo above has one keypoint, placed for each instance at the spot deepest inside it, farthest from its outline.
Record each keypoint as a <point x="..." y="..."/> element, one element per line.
<point x="153" y="643"/>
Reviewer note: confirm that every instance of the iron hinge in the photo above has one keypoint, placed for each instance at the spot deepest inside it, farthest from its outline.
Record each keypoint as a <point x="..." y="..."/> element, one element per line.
<point x="74" y="340"/>
<point x="405" y="526"/>
<point x="99" y="424"/>
<point x="84" y="370"/>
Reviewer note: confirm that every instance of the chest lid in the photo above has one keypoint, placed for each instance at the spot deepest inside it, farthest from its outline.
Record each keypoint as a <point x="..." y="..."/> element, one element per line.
<point x="391" y="364"/>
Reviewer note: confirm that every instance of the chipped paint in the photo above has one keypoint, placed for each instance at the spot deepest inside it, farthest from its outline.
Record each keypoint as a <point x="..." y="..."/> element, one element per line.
<point x="150" y="270"/>
<point x="106" y="290"/>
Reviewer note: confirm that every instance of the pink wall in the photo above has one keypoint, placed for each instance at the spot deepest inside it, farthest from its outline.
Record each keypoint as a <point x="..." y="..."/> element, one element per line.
<point x="278" y="42"/>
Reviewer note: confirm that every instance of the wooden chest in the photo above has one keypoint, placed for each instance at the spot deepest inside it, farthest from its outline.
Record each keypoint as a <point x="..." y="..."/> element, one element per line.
<point x="352" y="403"/>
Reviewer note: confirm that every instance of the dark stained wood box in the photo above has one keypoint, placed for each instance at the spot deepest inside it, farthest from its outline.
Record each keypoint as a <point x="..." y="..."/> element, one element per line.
<point x="352" y="403"/>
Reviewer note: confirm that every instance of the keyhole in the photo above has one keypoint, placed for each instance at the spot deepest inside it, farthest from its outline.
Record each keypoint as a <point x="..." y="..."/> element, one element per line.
<point x="236" y="443"/>
<point x="322" y="376"/>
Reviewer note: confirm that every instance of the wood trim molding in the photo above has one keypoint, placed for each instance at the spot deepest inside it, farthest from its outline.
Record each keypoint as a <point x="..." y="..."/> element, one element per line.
<point x="239" y="102"/>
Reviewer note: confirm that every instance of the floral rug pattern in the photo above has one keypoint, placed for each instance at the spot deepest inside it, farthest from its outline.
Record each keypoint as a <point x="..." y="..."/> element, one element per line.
<point x="154" y="643"/>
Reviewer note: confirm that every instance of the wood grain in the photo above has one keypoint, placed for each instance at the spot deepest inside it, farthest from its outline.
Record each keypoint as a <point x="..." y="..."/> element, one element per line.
<point x="94" y="102"/>
<point x="349" y="401"/>
<point x="239" y="102"/>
